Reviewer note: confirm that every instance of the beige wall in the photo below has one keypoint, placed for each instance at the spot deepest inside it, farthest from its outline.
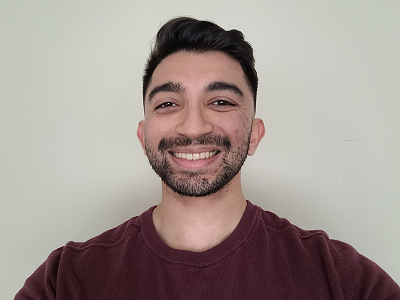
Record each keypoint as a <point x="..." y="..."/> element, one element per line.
<point x="70" y="100"/>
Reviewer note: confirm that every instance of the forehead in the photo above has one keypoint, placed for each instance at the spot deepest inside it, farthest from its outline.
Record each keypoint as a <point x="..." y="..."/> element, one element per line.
<point x="196" y="70"/>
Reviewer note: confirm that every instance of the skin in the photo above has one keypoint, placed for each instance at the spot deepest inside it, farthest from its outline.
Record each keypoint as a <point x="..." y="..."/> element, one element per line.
<point x="193" y="108"/>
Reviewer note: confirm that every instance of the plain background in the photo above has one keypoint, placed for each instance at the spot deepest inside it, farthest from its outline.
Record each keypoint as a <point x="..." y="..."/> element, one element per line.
<point x="71" y="166"/>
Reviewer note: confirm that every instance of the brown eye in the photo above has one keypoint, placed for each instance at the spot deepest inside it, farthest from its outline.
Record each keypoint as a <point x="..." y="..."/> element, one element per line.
<point x="166" y="104"/>
<point x="222" y="103"/>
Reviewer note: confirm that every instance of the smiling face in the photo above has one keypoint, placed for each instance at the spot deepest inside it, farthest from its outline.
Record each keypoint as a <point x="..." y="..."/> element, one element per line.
<point x="199" y="125"/>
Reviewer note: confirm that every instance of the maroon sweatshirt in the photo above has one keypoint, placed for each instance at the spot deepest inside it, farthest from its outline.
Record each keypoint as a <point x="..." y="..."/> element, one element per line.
<point x="266" y="257"/>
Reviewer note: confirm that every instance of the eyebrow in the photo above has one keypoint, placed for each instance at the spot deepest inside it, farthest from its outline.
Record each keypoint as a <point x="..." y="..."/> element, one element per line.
<point x="175" y="87"/>
<point x="223" y="86"/>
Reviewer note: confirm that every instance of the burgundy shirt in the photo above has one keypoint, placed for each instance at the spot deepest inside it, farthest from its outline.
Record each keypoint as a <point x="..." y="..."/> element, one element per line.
<point x="266" y="257"/>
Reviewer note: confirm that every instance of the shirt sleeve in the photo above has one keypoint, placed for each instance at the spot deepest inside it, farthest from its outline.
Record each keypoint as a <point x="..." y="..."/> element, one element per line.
<point x="364" y="279"/>
<point x="42" y="283"/>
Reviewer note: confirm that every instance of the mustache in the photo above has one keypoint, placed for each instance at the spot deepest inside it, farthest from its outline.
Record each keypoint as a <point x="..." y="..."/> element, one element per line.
<point x="213" y="140"/>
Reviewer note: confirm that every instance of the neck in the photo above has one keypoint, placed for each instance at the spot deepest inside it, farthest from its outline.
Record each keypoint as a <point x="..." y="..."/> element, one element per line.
<point x="199" y="223"/>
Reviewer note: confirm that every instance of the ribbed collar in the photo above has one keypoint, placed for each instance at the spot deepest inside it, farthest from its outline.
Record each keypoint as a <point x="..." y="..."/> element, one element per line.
<point x="198" y="259"/>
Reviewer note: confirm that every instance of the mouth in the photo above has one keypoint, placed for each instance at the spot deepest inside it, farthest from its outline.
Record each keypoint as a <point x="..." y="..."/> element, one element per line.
<point x="195" y="156"/>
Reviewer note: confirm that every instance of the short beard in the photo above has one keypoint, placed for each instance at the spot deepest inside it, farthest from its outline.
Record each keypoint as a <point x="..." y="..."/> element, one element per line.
<point x="192" y="183"/>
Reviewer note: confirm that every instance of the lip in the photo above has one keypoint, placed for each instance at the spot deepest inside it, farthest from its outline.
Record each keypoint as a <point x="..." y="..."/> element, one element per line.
<point x="193" y="164"/>
<point x="197" y="149"/>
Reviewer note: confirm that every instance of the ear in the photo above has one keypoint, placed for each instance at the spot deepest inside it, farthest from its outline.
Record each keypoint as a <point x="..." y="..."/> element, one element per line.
<point x="140" y="135"/>
<point x="257" y="133"/>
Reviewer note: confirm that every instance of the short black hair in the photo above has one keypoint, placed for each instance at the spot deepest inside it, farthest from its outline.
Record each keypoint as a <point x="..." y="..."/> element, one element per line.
<point x="191" y="35"/>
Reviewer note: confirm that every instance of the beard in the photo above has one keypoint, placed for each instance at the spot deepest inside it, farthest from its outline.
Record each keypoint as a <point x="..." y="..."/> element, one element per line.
<point x="195" y="183"/>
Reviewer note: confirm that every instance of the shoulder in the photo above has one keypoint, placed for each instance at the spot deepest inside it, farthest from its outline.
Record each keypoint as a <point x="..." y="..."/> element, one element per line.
<point x="285" y="234"/>
<point x="42" y="284"/>
<point x="282" y="228"/>
<point x="110" y="238"/>
<point x="356" y="274"/>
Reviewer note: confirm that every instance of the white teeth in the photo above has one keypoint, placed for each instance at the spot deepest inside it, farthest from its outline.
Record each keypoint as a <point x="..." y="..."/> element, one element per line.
<point x="195" y="156"/>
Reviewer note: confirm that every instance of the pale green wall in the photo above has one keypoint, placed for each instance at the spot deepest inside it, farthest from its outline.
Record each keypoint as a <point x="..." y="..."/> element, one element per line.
<point x="70" y="100"/>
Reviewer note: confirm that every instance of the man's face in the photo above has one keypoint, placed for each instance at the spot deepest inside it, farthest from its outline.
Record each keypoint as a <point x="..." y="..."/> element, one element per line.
<point x="198" y="122"/>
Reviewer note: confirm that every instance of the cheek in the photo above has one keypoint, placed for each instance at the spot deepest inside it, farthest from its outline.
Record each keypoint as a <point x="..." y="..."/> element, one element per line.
<point x="234" y="127"/>
<point x="238" y="126"/>
<point x="160" y="124"/>
<point x="155" y="131"/>
<point x="155" y="128"/>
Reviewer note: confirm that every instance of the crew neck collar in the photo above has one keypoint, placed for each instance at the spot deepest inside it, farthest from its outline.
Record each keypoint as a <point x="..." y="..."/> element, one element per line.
<point x="198" y="259"/>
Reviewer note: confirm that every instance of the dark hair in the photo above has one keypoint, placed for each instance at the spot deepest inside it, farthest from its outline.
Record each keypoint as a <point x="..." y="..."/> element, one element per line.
<point x="188" y="34"/>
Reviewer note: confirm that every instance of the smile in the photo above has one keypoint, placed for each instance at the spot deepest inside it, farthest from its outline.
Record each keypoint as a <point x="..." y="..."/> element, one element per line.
<point x="195" y="156"/>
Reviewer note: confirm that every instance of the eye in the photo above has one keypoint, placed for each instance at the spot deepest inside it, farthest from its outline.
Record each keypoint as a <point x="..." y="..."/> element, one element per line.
<point x="223" y="103"/>
<point x="166" y="105"/>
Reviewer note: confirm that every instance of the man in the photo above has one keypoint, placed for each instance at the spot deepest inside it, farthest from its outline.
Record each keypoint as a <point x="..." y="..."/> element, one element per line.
<point x="204" y="240"/>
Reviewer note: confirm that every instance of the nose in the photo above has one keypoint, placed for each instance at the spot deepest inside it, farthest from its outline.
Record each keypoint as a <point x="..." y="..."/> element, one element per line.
<point x="194" y="122"/>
